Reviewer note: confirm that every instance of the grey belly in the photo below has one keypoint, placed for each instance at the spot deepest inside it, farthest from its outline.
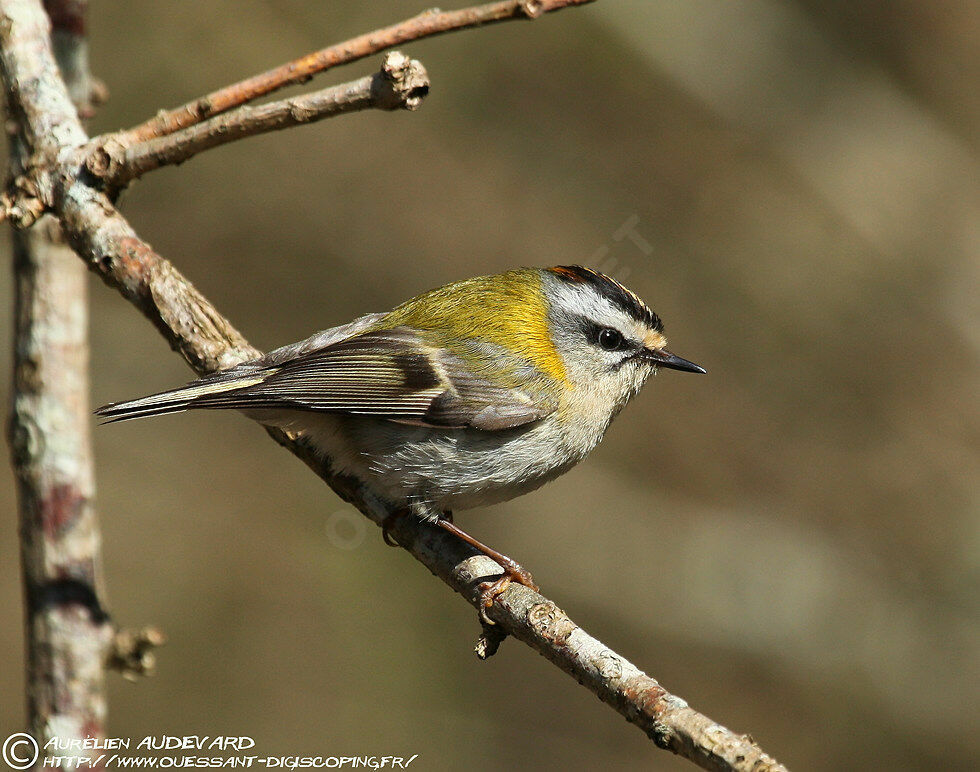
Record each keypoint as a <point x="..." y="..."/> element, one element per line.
<point x="460" y="468"/>
<point x="434" y="469"/>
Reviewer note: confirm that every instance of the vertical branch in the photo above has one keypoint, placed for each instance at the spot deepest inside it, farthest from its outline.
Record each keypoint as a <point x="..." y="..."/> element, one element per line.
<point x="65" y="626"/>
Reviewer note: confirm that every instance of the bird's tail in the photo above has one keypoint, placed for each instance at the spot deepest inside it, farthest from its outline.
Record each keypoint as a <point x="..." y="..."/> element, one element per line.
<point x="198" y="394"/>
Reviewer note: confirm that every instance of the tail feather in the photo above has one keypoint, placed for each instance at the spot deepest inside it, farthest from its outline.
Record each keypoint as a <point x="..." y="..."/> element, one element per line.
<point x="199" y="394"/>
<point x="137" y="408"/>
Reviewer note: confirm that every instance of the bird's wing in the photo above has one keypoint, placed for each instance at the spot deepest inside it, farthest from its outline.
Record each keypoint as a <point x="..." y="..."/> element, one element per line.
<point x="390" y="374"/>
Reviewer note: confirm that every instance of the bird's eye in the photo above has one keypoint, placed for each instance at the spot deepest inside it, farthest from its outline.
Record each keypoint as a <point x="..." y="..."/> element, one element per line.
<point x="610" y="339"/>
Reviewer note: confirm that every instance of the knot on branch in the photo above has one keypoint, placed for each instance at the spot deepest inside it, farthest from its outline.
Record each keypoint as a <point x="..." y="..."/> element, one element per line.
<point x="105" y="157"/>
<point x="22" y="203"/>
<point x="489" y="641"/>
<point x="131" y="653"/>
<point x="402" y="83"/>
<point x="531" y="8"/>
<point x="551" y="622"/>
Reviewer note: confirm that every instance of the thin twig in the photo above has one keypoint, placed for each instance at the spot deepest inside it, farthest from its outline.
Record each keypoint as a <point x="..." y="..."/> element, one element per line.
<point x="426" y="24"/>
<point x="107" y="243"/>
<point x="401" y="83"/>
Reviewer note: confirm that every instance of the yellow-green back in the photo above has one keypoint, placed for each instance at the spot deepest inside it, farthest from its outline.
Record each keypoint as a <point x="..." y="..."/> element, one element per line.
<point x="507" y="310"/>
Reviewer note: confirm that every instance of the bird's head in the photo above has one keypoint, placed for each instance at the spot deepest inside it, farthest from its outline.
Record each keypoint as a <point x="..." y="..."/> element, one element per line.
<point x="609" y="339"/>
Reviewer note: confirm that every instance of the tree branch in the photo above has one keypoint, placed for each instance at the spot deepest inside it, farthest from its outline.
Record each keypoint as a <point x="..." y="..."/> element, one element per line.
<point x="66" y="628"/>
<point x="402" y="83"/>
<point x="426" y="24"/>
<point x="107" y="243"/>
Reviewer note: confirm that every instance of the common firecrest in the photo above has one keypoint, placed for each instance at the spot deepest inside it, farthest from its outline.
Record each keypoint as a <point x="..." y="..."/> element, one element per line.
<point x="466" y="395"/>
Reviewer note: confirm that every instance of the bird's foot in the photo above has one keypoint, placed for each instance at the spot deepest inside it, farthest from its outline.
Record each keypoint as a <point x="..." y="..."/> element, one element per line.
<point x="490" y="591"/>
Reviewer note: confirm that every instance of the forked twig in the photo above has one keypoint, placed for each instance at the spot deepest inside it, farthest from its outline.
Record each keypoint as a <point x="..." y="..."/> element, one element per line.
<point x="401" y="83"/>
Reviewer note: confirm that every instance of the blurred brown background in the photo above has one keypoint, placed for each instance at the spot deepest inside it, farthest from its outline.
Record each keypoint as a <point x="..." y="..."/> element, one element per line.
<point x="791" y="542"/>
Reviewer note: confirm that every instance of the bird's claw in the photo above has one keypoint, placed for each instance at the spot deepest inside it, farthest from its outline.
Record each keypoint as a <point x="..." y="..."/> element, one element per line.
<point x="386" y="526"/>
<point x="490" y="591"/>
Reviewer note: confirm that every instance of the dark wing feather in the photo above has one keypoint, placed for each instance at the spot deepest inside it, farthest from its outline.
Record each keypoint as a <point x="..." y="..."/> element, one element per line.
<point x="390" y="374"/>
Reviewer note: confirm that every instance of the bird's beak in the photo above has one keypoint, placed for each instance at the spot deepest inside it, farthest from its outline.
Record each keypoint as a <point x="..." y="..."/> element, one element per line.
<point x="663" y="358"/>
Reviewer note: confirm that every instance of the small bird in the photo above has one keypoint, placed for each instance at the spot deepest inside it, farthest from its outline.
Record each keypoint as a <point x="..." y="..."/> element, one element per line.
<point x="467" y="395"/>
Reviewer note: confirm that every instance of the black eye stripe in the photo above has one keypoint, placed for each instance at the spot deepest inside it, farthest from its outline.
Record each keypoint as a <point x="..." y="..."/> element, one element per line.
<point x="604" y="337"/>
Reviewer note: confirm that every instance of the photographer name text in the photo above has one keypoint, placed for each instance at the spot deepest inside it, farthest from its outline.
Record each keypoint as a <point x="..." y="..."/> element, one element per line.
<point x="153" y="743"/>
